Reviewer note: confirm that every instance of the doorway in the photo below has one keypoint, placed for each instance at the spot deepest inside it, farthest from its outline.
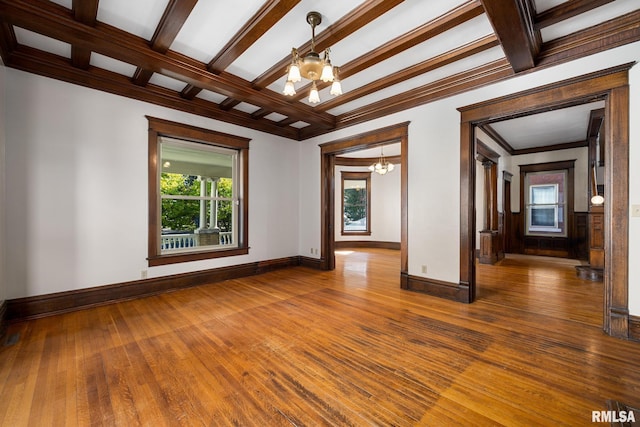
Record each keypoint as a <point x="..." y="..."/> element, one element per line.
<point x="611" y="85"/>
<point x="392" y="134"/>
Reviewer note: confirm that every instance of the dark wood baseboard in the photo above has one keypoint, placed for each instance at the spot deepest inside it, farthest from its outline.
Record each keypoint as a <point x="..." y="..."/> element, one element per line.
<point x="366" y="244"/>
<point x="3" y="320"/>
<point x="315" y="263"/>
<point x="61" y="302"/>
<point x="634" y="328"/>
<point x="275" y="264"/>
<point x="438" y="288"/>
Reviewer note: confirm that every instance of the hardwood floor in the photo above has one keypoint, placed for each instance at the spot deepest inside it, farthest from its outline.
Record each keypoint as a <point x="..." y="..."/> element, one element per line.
<point x="305" y="347"/>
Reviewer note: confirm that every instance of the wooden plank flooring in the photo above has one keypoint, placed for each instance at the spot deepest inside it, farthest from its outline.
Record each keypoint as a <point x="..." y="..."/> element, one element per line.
<point x="301" y="347"/>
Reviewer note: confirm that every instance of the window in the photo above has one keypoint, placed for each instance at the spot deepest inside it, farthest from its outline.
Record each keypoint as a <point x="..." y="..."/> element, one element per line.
<point x="546" y="212"/>
<point x="356" y="209"/>
<point x="197" y="193"/>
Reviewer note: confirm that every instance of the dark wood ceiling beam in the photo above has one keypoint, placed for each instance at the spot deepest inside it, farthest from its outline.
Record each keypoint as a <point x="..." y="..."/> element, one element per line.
<point x="50" y="20"/>
<point x="268" y="15"/>
<point x="565" y="11"/>
<point x="173" y="18"/>
<point x="513" y="22"/>
<point x="458" y="83"/>
<point x="8" y="41"/>
<point x="554" y="147"/>
<point x="437" y="26"/>
<point x="604" y="36"/>
<point x="260" y="113"/>
<point x="85" y="12"/>
<point x="358" y="18"/>
<point x="288" y="121"/>
<point x="46" y="64"/>
<point x="616" y="32"/>
<point x="431" y="64"/>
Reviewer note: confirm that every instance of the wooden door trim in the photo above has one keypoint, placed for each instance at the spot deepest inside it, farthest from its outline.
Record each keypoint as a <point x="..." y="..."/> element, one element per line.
<point x="329" y="151"/>
<point x="612" y="86"/>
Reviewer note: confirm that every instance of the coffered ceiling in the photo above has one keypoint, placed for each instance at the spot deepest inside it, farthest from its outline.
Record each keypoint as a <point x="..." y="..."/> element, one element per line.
<point x="228" y="60"/>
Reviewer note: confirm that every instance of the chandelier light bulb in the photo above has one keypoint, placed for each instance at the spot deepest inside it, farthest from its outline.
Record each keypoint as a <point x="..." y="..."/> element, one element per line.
<point x="294" y="73"/>
<point x="336" y="88"/>
<point x="327" y="73"/>
<point x="314" y="96"/>
<point x="289" y="88"/>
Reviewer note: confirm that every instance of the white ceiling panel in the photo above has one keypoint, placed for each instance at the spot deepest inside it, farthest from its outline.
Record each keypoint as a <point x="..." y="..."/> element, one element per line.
<point x="300" y="125"/>
<point x="66" y="3"/>
<point x="38" y="41"/>
<point x="111" y="64"/>
<point x="207" y="95"/>
<point x="549" y="128"/>
<point x="276" y="117"/>
<point x="388" y="150"/>
<point x="166" y="82"/>
<point x="398" y="21"/>
<point x="588" y="19"/>
<point x="463" y="34"/>
<point x="542" y="5"/>
<point x="210" y="25"/>
<point x="140" y="17"/>
<point x="247" y="108"/>
<point x="427" y="78"/>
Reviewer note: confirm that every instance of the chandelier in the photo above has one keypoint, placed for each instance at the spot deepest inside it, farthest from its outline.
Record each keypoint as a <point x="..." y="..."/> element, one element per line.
<point x="381" y="166"/>
<point x="312" y="67"/>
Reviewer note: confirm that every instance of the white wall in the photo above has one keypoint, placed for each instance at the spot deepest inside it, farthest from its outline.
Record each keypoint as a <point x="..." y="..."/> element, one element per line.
<point x="3" y="180"/>
<point x="385" y="206"/>
<point x="434" y="168"/>
<point x="77" y="203"/>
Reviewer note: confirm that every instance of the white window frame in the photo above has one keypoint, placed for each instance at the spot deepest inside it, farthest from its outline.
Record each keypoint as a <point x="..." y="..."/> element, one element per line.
<point x="559" y="208"/>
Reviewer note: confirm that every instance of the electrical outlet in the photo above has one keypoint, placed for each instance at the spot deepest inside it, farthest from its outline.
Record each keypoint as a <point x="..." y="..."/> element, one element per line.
<point x="635" y="210"/>
<point x="424" y="269"/>
<point x="311" y="251"/>
<point x="143" y="274"/>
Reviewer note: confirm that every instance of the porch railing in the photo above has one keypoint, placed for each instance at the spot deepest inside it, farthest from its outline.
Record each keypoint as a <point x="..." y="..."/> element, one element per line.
<point x="191" y="240"/>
